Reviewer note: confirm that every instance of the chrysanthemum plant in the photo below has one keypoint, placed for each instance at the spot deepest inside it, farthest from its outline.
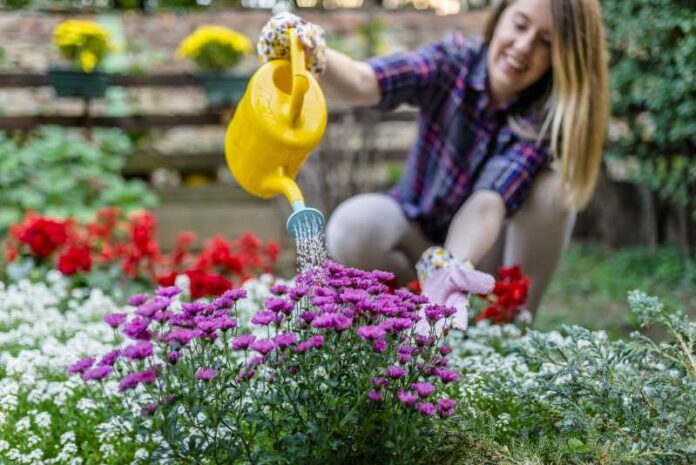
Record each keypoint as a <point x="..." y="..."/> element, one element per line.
<point x="332" y="372"/>
<point x="214" y="48"/>
<point x="83" y="43"/>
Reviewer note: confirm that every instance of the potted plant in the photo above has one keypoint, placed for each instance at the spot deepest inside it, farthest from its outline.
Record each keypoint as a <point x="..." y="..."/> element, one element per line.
<point x="84" y="44"/>
<point x="216" y="50"/>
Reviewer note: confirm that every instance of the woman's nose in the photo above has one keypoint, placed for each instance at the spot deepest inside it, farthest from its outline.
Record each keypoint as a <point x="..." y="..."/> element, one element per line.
<point x="525" y="42"/>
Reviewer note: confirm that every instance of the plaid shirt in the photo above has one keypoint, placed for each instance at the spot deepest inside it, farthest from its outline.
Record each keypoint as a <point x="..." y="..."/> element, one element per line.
<point x="463" y="145"/>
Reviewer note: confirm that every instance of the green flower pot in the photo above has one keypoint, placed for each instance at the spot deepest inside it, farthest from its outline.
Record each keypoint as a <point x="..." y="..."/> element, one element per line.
<point x="224" y="89"/>
<point x="73" y="83"/>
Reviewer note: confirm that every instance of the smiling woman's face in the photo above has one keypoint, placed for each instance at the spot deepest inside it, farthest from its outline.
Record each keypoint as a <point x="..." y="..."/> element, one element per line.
<point x="520" y="50"/>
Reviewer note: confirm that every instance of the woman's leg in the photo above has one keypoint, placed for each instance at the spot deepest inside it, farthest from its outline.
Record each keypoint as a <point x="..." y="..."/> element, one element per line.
<point x="370" y="231"/>
<point x="537" y="235"/>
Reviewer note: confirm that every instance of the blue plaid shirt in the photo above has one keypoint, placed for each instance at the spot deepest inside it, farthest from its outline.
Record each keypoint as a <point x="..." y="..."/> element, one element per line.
<point x="463" y="145"/>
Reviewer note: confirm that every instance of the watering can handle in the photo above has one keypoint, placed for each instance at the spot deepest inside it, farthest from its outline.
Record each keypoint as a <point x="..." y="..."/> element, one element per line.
<point x="300" y="79"/>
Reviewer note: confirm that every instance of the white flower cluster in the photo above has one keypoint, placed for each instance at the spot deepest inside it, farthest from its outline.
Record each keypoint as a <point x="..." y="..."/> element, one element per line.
<point x="45" y="327"/>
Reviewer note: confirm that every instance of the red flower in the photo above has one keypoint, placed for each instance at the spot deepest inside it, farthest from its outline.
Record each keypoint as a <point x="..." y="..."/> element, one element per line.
<point x="508" y="297"/>
<point x="203" y="284"/>
<point x="42" y="235"/>
<point x="74" y="259"/>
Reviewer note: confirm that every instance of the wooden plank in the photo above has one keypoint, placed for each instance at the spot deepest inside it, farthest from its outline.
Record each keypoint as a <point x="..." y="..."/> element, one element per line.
<point x="28" y="80"/>
<point x="151" y="121"/>
<point x="143" y="162"/>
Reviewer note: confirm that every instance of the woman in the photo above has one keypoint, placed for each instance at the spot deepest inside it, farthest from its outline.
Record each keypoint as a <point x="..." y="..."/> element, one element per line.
<point x="510" y="140"/>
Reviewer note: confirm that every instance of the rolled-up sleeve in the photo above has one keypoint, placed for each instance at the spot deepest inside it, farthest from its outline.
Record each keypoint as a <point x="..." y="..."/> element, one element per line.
<point x="511" y="172"/>
<point x="410" y="77"/>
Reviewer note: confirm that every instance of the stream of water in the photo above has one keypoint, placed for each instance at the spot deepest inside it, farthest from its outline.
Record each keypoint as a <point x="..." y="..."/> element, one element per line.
<point x="311" y="244"/>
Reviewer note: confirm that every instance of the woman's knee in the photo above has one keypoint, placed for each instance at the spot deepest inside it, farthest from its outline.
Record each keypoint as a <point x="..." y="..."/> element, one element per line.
<point x="545" y="202"/>
<point x="364" y="227"/>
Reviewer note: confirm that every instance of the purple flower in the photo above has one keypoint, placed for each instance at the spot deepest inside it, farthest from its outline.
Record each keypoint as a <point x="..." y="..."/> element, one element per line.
<point x="162" y="315"/>
<point x="445" y="350"/>
<point x="406" y="398"/>
<point x="110" y="358"/>
<point x="98" y="373"/>
<point x="276" y="304"/>
<point x="434" y="312"/>
<point x="243" y="342"/>
<point x="193" y="308"/>
<point x="81" y="365"/>
<point x="279" y="289"/>
<point x="284" y="340"/>
<point x="423" y="389"/>
<point x="313" y="342"/>
<point x="254" y="362"/>
<point x="379" y="346"/>
<point x="375" y="396"/>
<point x="185" y="321"/>
<point x="137" y="328"/>
<point x="422" y="340"/>
<point x="426" y="408"/>
<point x="354" y="296"/>
<point x="334" y="321"/>
<point x="262" y="346"/>
<point x="170" y="291"/>
<point x="138" y="299"/>
<point x="405" y="349"/>
<point x="173" y="357"/>
<point x="139" y="377"/>
<point x="446" y="404"/>
<point x="234" y="294"/>
<point x="298" y="292"/>
<point x="396" y="372"/>
<point x="404" y="358"/>
<point x="263" y="318"/>
<point x="206" y="374"/>
<point x="227" y="323"/>
<point x="138" y="351"/>
<point x="147" y="310"/>
<point x="206" y="324"/>
<point x="396" y="324"/>
<point x="371" y="333"/>
<point x="182" y="336"/>
<point x="244" y="375"/>
<point x="115" y="319"/>
<point x="308" y="317"/>
<point x="149" y="409"/>
<point x="446" y="375"/>
<point x="378" y="382"/>
<point x="221" y="303"/>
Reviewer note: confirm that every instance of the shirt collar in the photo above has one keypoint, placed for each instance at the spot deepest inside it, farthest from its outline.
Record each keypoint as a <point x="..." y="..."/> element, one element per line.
<point x="478" y="73"/>
<point x="478" y="80"/>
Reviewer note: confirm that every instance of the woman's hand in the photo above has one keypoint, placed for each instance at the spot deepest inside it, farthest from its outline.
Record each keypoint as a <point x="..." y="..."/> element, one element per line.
<point x="274" y="43"/>
<point x="447" y="281"/>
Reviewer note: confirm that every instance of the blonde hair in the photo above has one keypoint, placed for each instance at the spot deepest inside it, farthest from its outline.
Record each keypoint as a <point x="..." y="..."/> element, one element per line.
<point x="574" y="95"/>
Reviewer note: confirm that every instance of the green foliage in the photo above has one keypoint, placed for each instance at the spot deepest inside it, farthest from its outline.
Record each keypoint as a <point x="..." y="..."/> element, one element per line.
<point x="653" y="45"/>
<point x="61" y="175"/>
<point x="590" y="286"/>
<point x="578" y="397"/>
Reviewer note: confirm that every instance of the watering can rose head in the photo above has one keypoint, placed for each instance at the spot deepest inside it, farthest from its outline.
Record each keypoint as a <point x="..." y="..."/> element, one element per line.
<point x="214" y="48"/>
<point x="84" y="43"/>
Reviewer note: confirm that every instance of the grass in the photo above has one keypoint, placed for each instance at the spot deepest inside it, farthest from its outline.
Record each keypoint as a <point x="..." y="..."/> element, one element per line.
<point x="591" y="285"/>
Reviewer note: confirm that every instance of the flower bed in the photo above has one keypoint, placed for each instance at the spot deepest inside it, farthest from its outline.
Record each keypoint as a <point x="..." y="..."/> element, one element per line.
<point x="337" y="378"/>
<point x="120" y="253"/>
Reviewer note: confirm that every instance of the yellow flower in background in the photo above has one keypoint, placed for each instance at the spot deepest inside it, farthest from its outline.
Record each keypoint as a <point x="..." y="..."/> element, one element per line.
<point x="214" y="47"/>
<point x="85" y="43"/>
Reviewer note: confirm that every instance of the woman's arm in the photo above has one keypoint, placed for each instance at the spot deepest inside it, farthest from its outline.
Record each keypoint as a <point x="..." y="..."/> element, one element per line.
<point x="349" y="81"/>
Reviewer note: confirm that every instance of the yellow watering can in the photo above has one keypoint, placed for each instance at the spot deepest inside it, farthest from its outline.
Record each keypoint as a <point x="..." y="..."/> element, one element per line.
<point x="278" y="122"/>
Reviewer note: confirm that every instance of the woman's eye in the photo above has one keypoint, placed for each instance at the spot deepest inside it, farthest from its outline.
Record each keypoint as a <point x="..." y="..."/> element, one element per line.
<point x="519" y="26"/>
